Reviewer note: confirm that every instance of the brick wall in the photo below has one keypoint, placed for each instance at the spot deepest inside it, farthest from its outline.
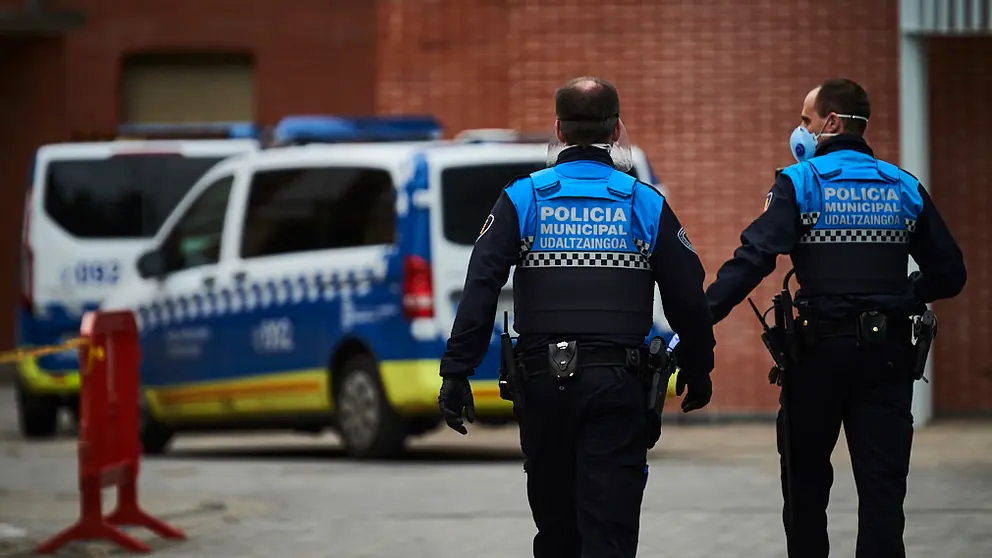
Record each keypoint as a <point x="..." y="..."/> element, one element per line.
<point x="311" y="56"/>
<point x="31" y="113"/>
<point x="710" y="89"/>
<point x="961" y="182"/>
<point x="317" y="56"/>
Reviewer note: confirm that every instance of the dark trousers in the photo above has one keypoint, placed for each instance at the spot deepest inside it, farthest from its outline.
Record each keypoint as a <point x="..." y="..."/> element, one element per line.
<point x="585" y="458"/>
<point x="870" y="392"/>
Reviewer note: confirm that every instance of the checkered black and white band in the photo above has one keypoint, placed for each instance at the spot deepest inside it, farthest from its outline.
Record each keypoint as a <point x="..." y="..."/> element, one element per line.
<point x="526" y="244"/>
<point x="810" y="219"/>
<point x="850" y="236"/>
<point x="643" y="247"/>
<point x="622" y="260"/>
<point x="264" y="294"/>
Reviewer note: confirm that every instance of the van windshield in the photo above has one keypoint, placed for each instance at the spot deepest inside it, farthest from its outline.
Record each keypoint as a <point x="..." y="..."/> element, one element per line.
<point x="469" y="192"/>
<point x="123" y="196"/>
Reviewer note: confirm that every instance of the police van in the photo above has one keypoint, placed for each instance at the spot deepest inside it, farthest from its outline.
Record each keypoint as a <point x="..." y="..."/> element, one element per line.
<point x="91" y="208"/>
<point x="314" y="286"/>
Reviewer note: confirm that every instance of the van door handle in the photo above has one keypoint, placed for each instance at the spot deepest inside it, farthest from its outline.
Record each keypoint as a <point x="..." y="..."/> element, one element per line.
<point x="208" y="282"/>
<point x="240" y="276"/>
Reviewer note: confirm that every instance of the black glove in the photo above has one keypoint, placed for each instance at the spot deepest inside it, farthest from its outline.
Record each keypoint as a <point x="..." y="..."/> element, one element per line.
<point x="700" y="390"/>
<point x="456" y="394"/>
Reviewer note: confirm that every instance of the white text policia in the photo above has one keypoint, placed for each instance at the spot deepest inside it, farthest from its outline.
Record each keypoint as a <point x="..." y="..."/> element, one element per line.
<point x="861" y="206"/>
<point x="592" y="228"/>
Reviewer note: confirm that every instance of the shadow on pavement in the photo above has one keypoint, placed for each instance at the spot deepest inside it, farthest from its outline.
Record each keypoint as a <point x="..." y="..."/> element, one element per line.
<point x="469" y="455"/>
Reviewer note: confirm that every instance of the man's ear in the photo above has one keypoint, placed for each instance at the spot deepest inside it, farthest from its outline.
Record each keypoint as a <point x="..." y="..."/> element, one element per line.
<point x="617" y="130"/>
<point x="558" y="133"/>
<point x="837" y="127"/>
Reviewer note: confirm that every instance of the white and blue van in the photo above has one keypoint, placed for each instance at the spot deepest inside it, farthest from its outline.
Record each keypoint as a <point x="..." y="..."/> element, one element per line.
<point x="91" y="208"/>
<point x="314" y="286"/>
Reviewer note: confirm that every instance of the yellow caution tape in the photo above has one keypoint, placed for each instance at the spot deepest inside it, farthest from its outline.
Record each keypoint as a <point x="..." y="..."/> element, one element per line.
<point x="21" y="354"/>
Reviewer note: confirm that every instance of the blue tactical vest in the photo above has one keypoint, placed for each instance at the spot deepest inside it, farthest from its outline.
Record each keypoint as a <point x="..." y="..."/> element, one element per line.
<point x="858" y="213"/>
<point x="587" y="232"/>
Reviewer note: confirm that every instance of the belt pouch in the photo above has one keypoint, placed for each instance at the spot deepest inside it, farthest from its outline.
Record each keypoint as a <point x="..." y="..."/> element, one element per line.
<point x="872" y="328"/>
<point x="563" y="359"/>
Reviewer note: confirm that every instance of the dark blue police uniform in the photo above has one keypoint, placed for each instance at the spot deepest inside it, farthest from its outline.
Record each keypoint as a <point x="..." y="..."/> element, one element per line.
<point x="589" y="242"/>
<point x="850" y="223"/>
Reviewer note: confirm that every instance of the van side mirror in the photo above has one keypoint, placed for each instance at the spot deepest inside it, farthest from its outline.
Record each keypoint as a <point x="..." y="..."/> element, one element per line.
<point x="152" y="265"/>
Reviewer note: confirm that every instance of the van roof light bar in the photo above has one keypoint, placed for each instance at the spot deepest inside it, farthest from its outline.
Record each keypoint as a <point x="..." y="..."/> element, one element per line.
<point x="303" y="129"/>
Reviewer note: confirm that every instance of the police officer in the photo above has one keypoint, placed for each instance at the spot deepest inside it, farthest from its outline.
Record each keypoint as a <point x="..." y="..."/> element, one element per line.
<point x="588" y="241"/>
<point x="849" y="222"/>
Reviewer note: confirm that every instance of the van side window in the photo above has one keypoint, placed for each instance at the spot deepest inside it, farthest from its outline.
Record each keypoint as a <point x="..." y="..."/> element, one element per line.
<point x="300" y="210"/>
<point x="196" y="238"/>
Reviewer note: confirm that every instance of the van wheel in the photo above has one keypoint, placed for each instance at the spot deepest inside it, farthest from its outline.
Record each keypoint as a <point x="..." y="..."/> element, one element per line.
<point x="37" y="415"/>
<point x="368" y="425"/>
<point x="155" y="436"/>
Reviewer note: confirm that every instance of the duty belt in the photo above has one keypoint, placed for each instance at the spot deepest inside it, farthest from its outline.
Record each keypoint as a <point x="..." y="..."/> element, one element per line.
<point x="848" y="327"/>
<point x="535" y="365"/>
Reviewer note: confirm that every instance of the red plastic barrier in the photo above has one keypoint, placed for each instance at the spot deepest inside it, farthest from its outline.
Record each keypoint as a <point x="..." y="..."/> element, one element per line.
<point x="109" y="439"/>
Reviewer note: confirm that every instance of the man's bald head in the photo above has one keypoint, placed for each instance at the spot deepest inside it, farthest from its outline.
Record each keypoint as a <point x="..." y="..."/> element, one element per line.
<point x="588" y="110"/>
<point x="810" y="99"/>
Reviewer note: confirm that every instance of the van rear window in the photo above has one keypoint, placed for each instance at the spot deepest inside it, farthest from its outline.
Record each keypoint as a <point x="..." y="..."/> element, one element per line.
<point x="124" y="196"/>
<point x="468" y="194"/>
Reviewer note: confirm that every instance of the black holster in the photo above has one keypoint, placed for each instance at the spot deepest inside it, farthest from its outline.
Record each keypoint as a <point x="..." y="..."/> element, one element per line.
<point x="511" y="374"/>
<point x="925" y="331"/>
<point x="656" y="373"/>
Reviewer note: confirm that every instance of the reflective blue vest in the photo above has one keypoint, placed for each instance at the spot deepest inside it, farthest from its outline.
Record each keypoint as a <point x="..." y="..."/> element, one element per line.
<point x="858" y="213"/>
<point x="587" y="233"/>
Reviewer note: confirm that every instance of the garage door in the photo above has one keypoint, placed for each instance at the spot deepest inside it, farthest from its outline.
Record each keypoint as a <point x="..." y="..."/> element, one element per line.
<point x="187" y="88"/>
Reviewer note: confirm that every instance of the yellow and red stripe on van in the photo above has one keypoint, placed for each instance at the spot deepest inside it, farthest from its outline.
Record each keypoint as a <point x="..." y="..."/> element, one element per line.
<point x="411" y="387"/>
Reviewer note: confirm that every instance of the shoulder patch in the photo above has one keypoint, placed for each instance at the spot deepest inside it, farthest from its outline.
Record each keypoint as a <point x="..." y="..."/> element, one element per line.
<point x="485" y="226"/>
<point x="685" y="240"/>
<point x="768" y="200"/>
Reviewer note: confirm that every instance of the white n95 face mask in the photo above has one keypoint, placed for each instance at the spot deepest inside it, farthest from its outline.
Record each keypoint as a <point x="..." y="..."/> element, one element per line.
<point x="620" y="152"/>
<point x="802" y="143"/>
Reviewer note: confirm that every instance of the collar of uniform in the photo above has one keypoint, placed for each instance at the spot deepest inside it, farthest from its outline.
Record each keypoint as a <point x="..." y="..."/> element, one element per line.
<point x="844" y="141"/>
<point x="585" y="153"/>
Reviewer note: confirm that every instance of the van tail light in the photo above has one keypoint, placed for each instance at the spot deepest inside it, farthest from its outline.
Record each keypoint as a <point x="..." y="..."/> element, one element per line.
<point x="418" y="293"/>
<point x="27" y="260"/>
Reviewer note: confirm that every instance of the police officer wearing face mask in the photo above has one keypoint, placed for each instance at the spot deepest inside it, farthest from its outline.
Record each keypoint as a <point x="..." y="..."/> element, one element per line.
<point x="850" y="222"/>
<point x="589" y="242"/>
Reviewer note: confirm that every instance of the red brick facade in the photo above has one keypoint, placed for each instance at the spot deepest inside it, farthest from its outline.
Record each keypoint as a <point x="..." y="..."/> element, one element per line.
<point x="961" y="173"/>
<point x="710" y="89"/>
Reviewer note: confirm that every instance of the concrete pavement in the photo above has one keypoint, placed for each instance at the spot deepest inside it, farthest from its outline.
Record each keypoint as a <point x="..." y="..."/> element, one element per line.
<point x="712" y="491"/>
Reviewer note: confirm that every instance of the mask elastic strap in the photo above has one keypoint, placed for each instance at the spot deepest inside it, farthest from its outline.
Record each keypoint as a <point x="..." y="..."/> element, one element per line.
<point x="830" y="135"/>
